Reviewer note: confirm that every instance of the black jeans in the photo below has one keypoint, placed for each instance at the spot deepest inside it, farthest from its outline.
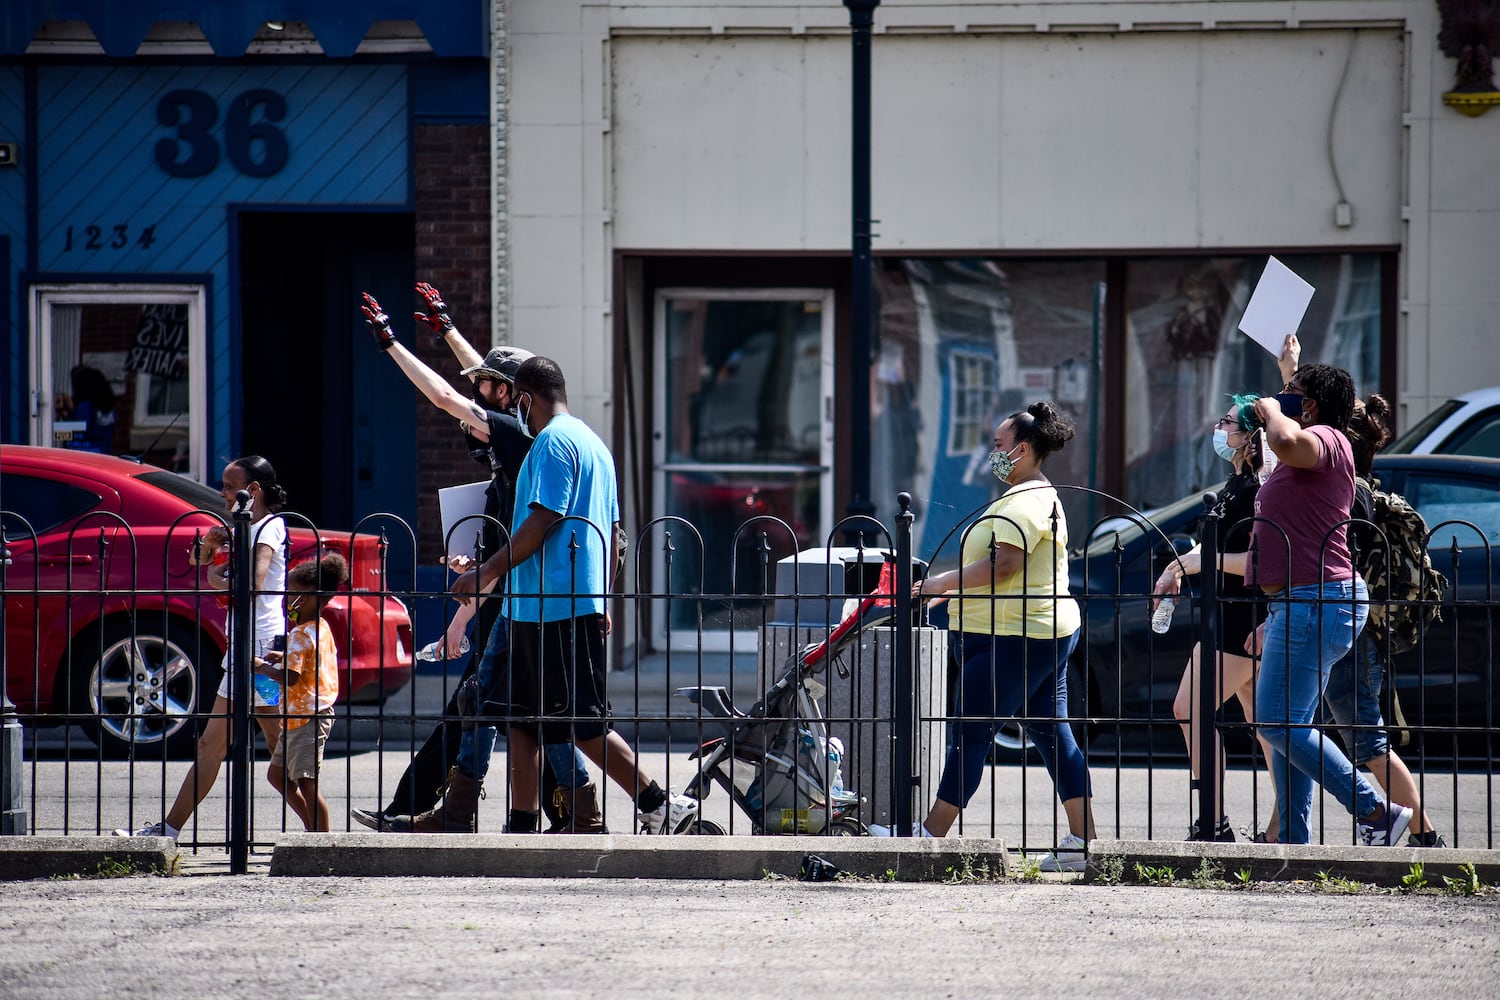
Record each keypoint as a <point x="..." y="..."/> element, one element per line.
<point x="421" y="783"/>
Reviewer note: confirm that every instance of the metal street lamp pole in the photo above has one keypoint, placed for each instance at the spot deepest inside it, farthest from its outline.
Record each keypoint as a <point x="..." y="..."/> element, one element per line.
<point x="861" y="308"/>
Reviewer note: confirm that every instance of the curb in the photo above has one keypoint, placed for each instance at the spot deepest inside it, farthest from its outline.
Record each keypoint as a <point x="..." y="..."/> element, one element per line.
<point x="737" y="858"/>
<point x="1382" y="866"/>
<point x="49" y="857"/>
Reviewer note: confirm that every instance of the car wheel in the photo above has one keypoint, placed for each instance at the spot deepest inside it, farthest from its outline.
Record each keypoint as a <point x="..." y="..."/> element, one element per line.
<point x="139" y="689"/>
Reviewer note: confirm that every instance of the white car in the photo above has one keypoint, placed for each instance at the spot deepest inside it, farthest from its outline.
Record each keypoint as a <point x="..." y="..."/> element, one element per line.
<point x="1465" y="425"/>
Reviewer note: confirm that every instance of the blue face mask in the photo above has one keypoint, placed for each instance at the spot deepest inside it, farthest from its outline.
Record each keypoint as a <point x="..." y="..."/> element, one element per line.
<point x="1291" y="403"/>
<point x="1221" y="444"/>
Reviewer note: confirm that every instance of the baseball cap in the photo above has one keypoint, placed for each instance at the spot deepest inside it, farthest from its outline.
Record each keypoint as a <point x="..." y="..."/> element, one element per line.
<point x="501" y="362"/>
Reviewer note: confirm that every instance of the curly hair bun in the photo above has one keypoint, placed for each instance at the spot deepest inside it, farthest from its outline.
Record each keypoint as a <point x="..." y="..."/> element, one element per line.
<point x="1051" y="428"/>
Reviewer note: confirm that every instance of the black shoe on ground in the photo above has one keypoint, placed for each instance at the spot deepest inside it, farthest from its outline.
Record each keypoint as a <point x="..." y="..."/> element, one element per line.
<point x="1223" y="834"/>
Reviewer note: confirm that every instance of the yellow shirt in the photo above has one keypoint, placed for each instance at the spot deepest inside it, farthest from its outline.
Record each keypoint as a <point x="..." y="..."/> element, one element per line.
<point x="1034" y="601"/>
<point x="311" y="653"/>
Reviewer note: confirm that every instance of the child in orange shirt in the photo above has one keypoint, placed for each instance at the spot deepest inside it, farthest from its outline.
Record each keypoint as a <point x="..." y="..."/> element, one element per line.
<point x="309" y="676"/>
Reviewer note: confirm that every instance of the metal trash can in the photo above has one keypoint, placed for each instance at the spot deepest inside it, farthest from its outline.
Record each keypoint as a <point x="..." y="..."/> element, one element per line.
<point x="811" y="588"/>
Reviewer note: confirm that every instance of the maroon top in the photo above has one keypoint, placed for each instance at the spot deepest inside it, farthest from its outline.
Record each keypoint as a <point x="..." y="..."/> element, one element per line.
<point x="1305" y="504"/>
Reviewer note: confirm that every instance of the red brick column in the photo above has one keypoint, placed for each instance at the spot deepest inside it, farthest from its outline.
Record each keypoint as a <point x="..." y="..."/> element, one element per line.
<point x="453" y="254"/>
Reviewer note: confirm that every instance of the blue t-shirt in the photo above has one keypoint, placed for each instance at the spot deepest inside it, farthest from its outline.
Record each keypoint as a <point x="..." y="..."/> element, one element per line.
<point x="570" y="472"/>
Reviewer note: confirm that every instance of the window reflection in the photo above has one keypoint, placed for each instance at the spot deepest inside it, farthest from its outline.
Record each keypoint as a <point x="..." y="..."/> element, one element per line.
<point x="963" y="342"/>
<point x="120" y="380"/>
<point x="1185" y="355"/>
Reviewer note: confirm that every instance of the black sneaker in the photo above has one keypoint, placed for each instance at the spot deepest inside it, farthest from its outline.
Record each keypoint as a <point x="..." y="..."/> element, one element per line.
<point x="1415" y="840"/>
<point x="1223" y="834"/>
<point x="374" y="820"/>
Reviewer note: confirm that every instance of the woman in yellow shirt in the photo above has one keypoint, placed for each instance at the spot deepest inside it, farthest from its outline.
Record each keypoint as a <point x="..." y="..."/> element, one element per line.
<point x="1017" y="627"/>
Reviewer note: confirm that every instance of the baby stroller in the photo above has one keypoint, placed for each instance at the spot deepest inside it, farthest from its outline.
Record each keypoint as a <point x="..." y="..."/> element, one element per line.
<point x="778" y="762"/>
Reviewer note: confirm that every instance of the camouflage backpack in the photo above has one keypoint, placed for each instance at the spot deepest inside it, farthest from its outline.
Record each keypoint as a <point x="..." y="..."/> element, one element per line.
<point x="1406" y="576"/>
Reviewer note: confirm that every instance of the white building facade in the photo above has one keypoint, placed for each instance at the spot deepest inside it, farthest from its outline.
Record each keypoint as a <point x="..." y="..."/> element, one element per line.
<point x="1074" y="201"/>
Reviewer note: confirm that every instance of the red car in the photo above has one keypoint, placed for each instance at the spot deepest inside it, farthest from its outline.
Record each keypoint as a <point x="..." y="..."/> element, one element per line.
<point x="105" y="620"/>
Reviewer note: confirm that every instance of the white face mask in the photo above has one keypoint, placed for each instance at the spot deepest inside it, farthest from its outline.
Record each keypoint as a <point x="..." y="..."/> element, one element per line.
<point x="523" y="411"/>
<point x="1001" y="464"/>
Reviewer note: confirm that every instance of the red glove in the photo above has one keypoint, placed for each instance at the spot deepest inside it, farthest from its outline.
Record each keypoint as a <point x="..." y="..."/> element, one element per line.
<point x="436" y="316"/>
<point x="378" y="321"/>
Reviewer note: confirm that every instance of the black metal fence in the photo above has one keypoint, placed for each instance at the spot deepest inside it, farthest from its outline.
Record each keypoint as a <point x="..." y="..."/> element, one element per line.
<point x="793" y="701"/>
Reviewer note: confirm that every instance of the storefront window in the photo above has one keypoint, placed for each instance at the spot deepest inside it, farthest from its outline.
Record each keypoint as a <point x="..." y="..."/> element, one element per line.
<point x="744" y="382"/>
<point x="119" y="371"/>
<point x="963" y="344"/>
<point x="1186" y="356"/>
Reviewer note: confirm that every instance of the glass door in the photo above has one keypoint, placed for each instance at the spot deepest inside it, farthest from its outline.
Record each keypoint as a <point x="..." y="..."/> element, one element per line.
<point x="743" y="428"/>
<point x="120" y="370"/>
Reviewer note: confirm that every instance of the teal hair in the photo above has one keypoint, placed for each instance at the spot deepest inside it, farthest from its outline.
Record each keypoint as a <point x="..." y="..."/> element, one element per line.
<point x="1243" y="405"/>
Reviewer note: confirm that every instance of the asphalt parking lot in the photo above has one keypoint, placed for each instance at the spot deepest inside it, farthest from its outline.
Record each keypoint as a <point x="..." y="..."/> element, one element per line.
<point x="329" y="938"/>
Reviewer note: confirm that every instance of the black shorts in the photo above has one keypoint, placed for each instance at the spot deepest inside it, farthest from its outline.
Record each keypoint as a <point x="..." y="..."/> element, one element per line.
<point x="1238" y="618"/>
<point x="559" y="691"/>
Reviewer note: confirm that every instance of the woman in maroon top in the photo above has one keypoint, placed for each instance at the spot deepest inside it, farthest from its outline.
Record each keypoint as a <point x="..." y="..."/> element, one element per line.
<point x="1299" y="555"/>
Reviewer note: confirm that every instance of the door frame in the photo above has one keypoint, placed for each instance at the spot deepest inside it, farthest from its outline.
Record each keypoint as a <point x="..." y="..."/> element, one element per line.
<point x="663" y="636"/>
<point x="194" y="295"/>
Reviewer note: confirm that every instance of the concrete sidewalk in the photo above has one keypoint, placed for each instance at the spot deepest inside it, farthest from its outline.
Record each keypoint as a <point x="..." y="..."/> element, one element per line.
<point x="625" y="856"/>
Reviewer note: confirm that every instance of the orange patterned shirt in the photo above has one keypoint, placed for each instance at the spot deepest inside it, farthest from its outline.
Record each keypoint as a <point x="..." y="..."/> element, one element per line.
<point x="310" y="652"/>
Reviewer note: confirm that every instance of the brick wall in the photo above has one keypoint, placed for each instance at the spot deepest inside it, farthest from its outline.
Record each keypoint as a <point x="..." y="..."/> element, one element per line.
<point x="452" y="254"/>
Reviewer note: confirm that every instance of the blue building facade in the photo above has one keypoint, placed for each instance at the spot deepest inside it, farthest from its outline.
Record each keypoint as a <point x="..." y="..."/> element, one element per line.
<point x="196" y="228"/>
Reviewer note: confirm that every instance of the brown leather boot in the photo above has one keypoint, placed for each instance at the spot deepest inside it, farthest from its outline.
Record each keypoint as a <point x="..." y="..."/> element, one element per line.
<point x="456" y="813"/>
<point x="578" y="810"/>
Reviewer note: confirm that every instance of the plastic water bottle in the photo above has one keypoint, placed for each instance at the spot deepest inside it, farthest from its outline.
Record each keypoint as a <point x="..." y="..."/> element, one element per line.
<point x="267" y="689"/>
<point x="1161" y="618"/>
<point x="430" y="652"/>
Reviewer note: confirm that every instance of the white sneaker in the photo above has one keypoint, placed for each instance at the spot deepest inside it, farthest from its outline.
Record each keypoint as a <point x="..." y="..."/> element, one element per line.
<point x="672" y="816"/>
<point x="154" y="830"/>
<point x="917" y="830"/>
<point x="1069" y="856"/>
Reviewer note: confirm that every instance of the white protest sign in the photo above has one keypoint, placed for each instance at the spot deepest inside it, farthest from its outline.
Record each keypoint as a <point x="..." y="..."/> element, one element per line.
<point x="456" y="503"/>
<point x="1276" y="306"/>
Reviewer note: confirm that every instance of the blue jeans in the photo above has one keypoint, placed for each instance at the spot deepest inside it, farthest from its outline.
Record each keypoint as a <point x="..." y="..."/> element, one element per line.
<point x="1308" y="629"/>
<point x="476" y="747"/>
<point x="1353" y="699"/>
<point x="1000" y="673"/>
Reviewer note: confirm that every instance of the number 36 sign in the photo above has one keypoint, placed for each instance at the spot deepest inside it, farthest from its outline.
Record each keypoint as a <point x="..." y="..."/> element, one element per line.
<point x="193" y="151"/>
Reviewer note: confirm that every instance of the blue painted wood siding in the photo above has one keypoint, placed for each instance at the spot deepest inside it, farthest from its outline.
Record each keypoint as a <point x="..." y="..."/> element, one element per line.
<point x="346" y="131"/>
<point x="13" y="391"/>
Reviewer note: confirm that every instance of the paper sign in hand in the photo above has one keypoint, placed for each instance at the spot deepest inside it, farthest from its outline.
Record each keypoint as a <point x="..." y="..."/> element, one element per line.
<point x="460" y="507"/>
<point x="1276" y="306"/>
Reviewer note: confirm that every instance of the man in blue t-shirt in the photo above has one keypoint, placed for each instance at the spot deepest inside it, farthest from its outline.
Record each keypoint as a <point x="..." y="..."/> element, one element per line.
<point x="489" y="421"/>
<point x="562" y="550"/>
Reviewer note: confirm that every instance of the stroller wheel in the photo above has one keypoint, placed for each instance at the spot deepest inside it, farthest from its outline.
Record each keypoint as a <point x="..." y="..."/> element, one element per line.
<point x="703" y="828"/>
<point x="847" y="826"/>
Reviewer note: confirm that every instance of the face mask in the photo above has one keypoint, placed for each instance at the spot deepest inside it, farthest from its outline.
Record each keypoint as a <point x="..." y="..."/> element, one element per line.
<point x="1291" y="404"/>
<point x="1221" y="444"/>
<point x="1001" y="464"/>
<point x="524" y="413"/>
